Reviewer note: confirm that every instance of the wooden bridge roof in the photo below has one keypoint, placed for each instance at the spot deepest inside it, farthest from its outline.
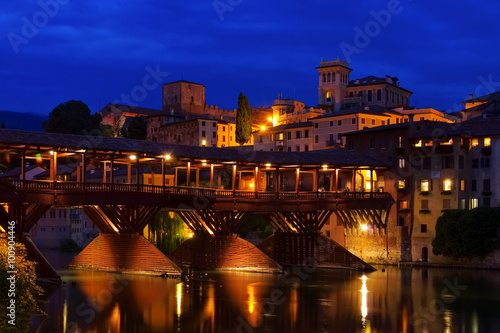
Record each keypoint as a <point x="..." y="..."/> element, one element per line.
<point x="42" y="142"/>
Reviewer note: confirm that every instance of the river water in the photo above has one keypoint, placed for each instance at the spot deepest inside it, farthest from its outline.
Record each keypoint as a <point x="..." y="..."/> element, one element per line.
<point x="307" y="300"/>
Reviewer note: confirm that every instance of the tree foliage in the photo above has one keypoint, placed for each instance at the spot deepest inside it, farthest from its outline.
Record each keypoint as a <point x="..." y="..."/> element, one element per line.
<point x="166" y="232"/>
<point x="243" y="120"/>
<point x="135" y="128"/>
<point x="461" y="233"/>
<point x="27" y="292"/>
<point x="72" y="117"/>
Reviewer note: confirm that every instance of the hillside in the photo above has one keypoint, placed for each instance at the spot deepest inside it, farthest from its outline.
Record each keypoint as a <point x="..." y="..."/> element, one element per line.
<point x="22" y="121"/>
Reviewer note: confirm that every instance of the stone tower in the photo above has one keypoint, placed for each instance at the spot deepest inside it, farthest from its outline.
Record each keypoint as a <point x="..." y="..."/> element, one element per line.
<point x="333" y="80"/>
<point x="181" y="97"/>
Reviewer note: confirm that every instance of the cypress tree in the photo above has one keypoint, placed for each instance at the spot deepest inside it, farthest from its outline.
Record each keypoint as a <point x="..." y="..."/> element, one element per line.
<point x="243" y="120"/>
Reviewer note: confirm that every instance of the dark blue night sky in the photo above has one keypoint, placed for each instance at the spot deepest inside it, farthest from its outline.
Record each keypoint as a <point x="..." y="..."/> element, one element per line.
<point x="101" y="51"/>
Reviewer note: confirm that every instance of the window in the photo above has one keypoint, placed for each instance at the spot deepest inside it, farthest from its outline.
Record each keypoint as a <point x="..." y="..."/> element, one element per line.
<point x="383" y="122"/>
<point x="401" y="184"/>
<point x="289" y="135"/>
<point x="328" y="77"/>
<point x="486" y="185"/>
<point x="224" y="138"/>
<point x="461" y="162"/>
<point x="350" y="146"/>
<point x="202" y="123"/>
<point x="448" y="162"/>
<point x="447" y="185"/>
<point x="331" y="123"/>
<point x="214" y="135"/>
<point x="462" y="184"/>
<point x="363" y="120"/>
<point x="473" y="203"/>
<point x="298" y="134"/>
<point x="473" y="185"/>
<point x="297" y="148"/>
<point x="402" y="163"/>
<point x="487" y="142"/>
<point x="214" y="124"/>
<point x="316" y="125"/>
<point x="289" y="149"/>
<point x="424" y="204"/>
<point x="446" y="203"/>
<point x="369" y="95"/>
<point x="424" y="185"/>
<point x="324" y="77"/>
<point x="403" y="204"/>
<point x="475" y="142"/>
<point x="316" y="138"/>
<point x="339" y="122"/>
<point x="306" y="133"/>
<point x="353" y="121"/>
<point x="423" y="228"/>
<point x="379" y="94"/>
<point x="487" y="202"/>
<point x="485" y="162"/>
<point x="203" y="134"/>
<point x="475" y="163"/>
<point x="306" y="148"/>
<point x="373" y="121"/>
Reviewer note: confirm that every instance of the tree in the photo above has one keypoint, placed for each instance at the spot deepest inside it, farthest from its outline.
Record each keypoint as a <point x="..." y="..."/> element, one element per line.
<point x="166" y="232"/>
<point x="243" y="120"/>
<point x="462" y="233"/>
<point x="72" y="117"/>
<point x="27" y="292"/>
<point x="135" y="129"/>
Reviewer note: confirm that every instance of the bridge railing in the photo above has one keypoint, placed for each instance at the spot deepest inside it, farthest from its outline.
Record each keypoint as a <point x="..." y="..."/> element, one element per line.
<point x="61" y="186"/>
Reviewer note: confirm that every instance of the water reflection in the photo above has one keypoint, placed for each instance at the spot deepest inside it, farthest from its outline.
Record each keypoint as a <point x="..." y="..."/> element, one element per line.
<point x="396" y="300"/>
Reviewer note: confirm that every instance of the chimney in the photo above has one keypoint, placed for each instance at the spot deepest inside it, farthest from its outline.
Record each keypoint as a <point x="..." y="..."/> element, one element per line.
<point x="471" y="96"/>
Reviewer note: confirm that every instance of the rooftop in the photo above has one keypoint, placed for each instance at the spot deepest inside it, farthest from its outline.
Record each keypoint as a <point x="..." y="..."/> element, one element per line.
<point x="122" y="148"/>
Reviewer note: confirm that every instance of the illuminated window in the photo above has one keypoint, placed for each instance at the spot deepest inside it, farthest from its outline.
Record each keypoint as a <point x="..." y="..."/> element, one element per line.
<point x="474" y="203"/>
<point x="487" y="142"/>
<point x="462" y="185"/>
<point x="424" y="185"/>
<point x="328" y="96"/>
<point x="475" y="142"/>
<point x="419" y="143"/>
<point x="449" y="142"/>
<point x="402" y="163"/>
<point x="401" y="184"/>
<point x="403" y="204"/>
<point x="447" y="185"/>
<point x="428" y="143"/>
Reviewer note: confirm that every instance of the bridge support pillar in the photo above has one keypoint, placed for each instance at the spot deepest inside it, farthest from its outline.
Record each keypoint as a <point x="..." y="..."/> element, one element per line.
<point x="298" y="241"/>
<point x="216" y="245"/>
<point x="121" y="247"/>
<point x="25" y="217"/>
<point x="128" y="253"/>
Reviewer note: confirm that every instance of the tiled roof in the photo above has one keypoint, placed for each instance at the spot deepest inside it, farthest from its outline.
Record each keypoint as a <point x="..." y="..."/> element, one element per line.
<point x="106" y="145"/>
<point x="131" y="109"/>
<point x="490" y="97"/>
<point x="371" y="110"/>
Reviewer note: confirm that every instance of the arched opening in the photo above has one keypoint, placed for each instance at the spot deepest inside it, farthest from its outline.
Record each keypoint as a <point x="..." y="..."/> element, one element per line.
<point x="328" y="77"/>
<point x="328" y="97"/>
<point x="324" y="77"/>
<point x="333" y="77"/>
<point x="425" y="254"/>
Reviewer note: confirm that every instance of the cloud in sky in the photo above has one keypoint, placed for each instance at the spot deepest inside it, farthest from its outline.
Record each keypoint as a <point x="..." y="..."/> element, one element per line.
<point x="95" y="51"/>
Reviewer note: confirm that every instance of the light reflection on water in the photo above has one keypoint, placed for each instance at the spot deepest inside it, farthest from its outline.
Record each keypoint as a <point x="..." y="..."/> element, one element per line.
<point x="396" y="300"/>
